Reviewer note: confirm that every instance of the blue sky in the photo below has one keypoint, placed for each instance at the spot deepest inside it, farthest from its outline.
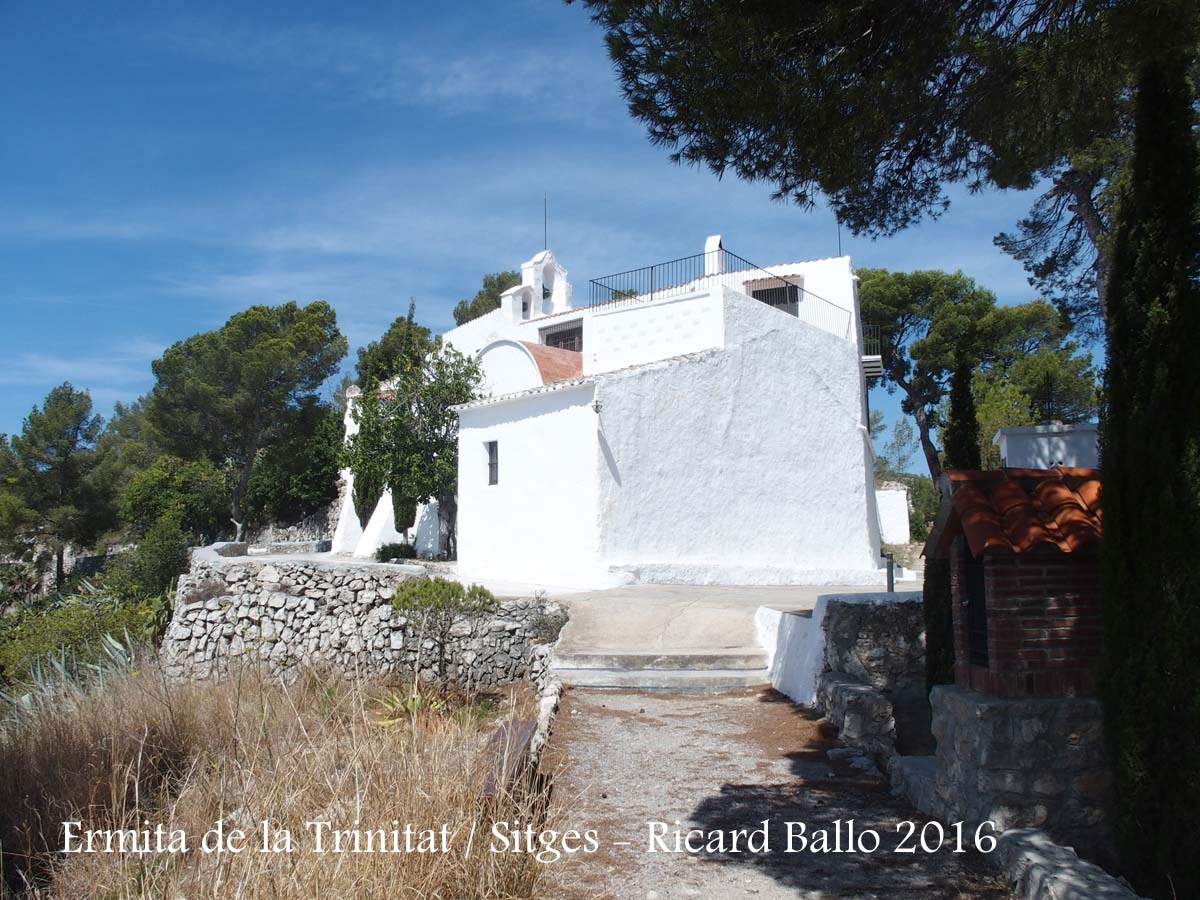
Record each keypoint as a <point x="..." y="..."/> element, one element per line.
<point x="166" y="165"/>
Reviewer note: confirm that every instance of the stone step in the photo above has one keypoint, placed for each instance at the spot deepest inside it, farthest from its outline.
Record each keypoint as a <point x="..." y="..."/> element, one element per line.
<point x="701" y="681"/>
<point x="590" y="658"/>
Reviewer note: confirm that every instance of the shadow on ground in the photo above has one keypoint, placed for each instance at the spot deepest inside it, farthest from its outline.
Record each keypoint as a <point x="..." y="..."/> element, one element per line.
<point x="837" y="806"/>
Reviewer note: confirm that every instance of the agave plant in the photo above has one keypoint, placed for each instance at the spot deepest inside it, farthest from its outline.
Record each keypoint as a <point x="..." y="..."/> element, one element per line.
<point x="56" y="675"/>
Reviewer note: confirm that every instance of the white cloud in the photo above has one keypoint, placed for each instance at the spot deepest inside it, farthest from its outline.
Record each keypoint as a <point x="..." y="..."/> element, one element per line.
<point x="535" y="79"/>
<point x="119" y="376"/>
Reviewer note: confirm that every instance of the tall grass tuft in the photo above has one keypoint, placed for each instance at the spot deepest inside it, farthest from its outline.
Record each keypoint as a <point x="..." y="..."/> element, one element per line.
<point x="128" y="746"/>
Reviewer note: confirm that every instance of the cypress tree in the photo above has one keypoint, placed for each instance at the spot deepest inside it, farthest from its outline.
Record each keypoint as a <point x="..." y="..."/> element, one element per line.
<point x="960" y="444"/>
<point x="1150" y="682"/>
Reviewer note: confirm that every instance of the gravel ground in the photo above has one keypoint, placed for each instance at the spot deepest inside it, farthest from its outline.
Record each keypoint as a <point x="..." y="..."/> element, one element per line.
<point x="723" y="763"/>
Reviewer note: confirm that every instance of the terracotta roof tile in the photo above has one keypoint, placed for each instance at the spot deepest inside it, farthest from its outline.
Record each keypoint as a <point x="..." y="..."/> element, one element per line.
<point x="554" y="363"/>
<point x="1019" y="509"/>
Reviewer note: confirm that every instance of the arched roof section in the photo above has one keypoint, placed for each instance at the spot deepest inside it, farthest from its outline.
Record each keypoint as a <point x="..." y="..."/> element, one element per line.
<point x="510" y="366"/>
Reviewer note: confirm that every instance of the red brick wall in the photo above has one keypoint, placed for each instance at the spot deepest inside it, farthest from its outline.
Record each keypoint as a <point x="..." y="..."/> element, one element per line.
<point x="1043" y="615"/>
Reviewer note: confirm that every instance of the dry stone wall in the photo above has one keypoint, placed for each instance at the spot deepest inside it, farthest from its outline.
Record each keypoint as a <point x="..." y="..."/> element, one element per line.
<point x="873" y="683"/>
<point x="318" y="526"/>
<point x="1031" y="763"/>
<point x="290" y="612"/>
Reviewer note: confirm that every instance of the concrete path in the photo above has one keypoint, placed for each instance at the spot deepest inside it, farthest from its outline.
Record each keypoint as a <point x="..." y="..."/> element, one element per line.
<point x="680" y="618"/>
<point x="673" y="637"/>
<point x="723" y="763"/>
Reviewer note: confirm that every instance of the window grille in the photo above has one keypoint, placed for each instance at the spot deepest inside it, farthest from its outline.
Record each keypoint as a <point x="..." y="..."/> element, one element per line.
<point x="785" y="297"/>
<point x="565" y="338"/>
<point x="975" y="595"/>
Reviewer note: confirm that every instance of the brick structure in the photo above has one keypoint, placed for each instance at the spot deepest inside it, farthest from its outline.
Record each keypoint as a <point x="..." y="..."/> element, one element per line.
<point x="1025" y="580"/>
<point x="1043" y="628"/>
<point x="1019" y="735"/>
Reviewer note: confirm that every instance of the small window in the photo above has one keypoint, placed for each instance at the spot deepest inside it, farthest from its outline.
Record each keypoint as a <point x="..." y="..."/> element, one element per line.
<point x="974" y="587"/>
<point x="565" y="338"/>
<point x="493" y="452"/>
<point x="785" y="297"/>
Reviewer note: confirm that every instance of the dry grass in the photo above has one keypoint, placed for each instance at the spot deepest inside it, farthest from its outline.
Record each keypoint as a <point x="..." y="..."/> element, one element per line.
<point x="139" y="748"/>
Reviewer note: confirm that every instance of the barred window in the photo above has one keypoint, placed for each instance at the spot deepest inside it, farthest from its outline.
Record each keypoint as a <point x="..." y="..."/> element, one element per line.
<point x="493" y="452"/>
<point x="565" y="338"/>
<point x="785" y="297"/>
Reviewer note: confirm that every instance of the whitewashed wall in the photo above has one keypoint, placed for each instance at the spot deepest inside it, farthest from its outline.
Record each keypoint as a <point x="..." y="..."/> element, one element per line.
<point x="637" y="333"/>
<point x="795" y="643"/>
<point x="829" y="300"/>
<point x="893" y="515"/>
<point x="748" y="465"/>
<point x="744" y="465"/>
<point x="1044" y="446"/>
<point x="348" y="532"/>
<point x="538" y="525"/>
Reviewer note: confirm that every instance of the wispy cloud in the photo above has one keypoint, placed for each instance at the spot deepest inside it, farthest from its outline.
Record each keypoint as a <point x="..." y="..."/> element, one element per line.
<point x="118" y="376"/>
<point x="467" y="73"/>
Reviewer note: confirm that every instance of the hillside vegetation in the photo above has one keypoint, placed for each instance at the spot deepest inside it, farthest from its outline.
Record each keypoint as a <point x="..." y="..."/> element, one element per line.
<point x="128" y="747"/>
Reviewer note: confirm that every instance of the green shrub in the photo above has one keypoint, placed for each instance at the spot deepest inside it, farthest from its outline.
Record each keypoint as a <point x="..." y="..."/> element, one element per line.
<point x="404" y="512"/>
<point x="193" y="492"/>
<point x="436" y="605"/>
<point x="76" y="628"/>
<point x="151" y="569"/>
<point x="298" y="472"/>
<point x="435" y="594"/>
<point x="388" y="552"/>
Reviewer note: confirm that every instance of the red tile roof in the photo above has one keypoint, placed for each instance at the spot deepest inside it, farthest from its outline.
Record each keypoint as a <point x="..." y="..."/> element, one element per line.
<point x="554" y="363"/>
<point x="1019" y="509"/>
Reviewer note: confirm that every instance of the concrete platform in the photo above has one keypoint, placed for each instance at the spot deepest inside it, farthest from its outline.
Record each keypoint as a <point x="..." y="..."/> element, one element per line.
<point x="696" y="638"/>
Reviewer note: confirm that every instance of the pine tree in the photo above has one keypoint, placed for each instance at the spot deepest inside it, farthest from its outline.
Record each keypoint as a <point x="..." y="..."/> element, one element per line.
<point x="54" y="456"/>
<point x="1151" y="471"/>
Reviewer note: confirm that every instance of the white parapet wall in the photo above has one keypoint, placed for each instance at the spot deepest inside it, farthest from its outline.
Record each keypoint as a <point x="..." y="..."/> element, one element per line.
<point x="795" y="641"/>
<point x="1045" y="446"/>
<point x="892" y="504"/>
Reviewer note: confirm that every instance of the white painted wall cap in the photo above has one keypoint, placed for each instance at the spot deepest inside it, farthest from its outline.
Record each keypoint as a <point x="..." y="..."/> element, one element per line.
<point x="521" y="395"/>
<point x="1048" y="428"/>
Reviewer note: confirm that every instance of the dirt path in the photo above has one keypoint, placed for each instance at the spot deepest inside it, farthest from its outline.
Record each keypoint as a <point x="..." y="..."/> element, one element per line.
<point x="723" y="763"/>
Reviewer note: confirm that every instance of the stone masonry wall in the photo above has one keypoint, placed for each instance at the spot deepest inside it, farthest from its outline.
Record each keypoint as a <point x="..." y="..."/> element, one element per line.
<point x="317" y="526"/>
<point x="873" y="684"/>
<point x="287" y="612"/>
<point x="1025" y="763"/>
<point x="880" y="644"/>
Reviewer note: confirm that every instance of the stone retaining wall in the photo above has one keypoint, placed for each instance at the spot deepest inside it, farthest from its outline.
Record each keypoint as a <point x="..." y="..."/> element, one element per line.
<point x="1031" y="763"/>
<point x="862" y="715"/>
<point x="298" y="611"/>
<point x="318" y="526"/>
<point x="872" y="687"/>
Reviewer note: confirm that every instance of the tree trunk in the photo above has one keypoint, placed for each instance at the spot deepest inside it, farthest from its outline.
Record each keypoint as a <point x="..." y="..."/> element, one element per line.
<point x="60" y="574"/>
<point x="1084" y="206"/>
<point x="924" y="425"/>
<point x="239" y="489"/>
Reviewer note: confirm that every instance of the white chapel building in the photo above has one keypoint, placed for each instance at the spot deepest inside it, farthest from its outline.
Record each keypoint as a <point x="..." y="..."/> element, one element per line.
<point x="702" y="421"/>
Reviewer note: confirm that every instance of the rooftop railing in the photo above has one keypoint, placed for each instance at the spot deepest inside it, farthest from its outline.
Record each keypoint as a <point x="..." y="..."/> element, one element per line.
<point x="872" y="343"/>
<point x="674" y="277"/>
<point x="720" y="268"/>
